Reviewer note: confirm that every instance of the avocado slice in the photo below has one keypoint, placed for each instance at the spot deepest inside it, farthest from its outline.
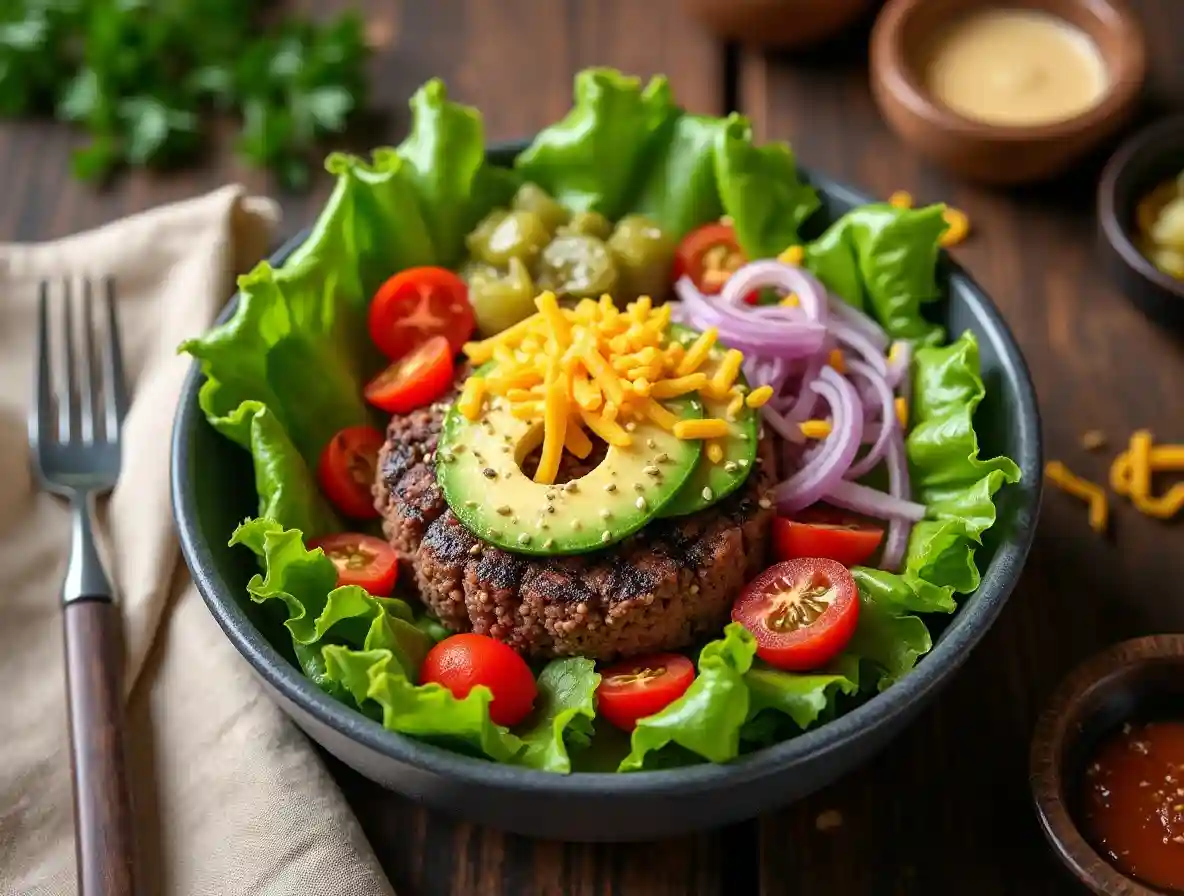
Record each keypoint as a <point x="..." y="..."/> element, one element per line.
<point x="478" y="469"/>
<point x="710" y="482"/>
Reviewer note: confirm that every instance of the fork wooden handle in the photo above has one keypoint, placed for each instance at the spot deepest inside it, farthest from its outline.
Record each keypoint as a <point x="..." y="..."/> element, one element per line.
<point x="102" y="801"/>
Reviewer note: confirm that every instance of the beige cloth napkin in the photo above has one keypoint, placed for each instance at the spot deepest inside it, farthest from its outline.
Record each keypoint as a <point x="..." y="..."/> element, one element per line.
<point x="230" y="797"/>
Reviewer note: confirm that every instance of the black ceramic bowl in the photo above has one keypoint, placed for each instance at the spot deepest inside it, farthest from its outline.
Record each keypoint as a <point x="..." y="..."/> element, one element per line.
<point x="213" y="489"/>
<point x="1142" y="163"/>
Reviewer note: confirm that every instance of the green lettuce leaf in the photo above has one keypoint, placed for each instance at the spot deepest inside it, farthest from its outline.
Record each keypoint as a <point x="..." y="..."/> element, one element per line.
<point x="428" y="711"/>
<point x="594" y="158"/>
<point x="891" y="643"/>
<point x="365" y="649"/>
<point x="706" y="719"/>
<point x="445" y="158"/>
<point x="679" y="191"/>
<point x="293" y="345"/>
<point x="563" y="714"/>
<point x="958" y="488"/>
<point x="884" y="258"/>
<point x="297" y="343"/>
<point x="761" y="191"/>
<point x="803" y="697"/>
<point x="287" y="488"/>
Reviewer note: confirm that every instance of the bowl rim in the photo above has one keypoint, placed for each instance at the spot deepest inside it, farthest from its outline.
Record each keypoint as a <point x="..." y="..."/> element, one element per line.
<point x="1128" y="74"/>
<point x="964" y="630"/>
<point x="1118" y="235"/>
<point x="1051" y="737"/>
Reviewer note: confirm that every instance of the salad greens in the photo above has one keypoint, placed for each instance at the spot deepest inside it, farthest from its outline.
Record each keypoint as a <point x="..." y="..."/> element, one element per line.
<point x="884" y="261"/>
<point x="285" y="373"/>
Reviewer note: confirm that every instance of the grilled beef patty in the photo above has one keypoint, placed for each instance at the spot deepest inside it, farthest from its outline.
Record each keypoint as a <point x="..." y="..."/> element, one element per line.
<point x="660" y="589"/>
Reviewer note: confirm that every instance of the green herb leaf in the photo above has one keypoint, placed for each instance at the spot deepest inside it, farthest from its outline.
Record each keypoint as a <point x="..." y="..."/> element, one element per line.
<point x="137" y="75"/>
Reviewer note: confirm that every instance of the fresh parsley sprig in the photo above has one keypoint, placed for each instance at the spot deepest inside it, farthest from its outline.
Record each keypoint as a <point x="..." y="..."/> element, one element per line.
<point x="145" y="77"/>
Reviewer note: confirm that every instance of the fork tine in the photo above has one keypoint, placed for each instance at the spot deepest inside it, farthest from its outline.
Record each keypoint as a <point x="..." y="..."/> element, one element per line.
<point x="88" y="387"/>
<point x="68" y="411"/>
<point x="43" y="409"/>
<point x="113" y="366"/>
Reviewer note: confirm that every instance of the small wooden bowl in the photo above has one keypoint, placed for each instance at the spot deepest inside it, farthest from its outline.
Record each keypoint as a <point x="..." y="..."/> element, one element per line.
<point x="1107" y="689"/>
<point x="1150" y="157"/>
<point x="996" y="154"/>
<point x="776" y="23"/>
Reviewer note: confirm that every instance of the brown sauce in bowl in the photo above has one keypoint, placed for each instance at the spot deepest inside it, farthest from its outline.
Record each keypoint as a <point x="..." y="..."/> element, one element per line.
<point x="1132" y="802"/>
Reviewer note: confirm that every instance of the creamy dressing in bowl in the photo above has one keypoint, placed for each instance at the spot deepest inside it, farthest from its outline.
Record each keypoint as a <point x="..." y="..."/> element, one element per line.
<point x="1015" y="67"/>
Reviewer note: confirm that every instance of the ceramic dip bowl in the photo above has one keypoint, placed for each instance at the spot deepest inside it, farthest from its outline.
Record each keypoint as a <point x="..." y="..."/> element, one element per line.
<point x="1138" y="679"/>
<point x="1147" y="159"/>
<point x="901" y="45"/>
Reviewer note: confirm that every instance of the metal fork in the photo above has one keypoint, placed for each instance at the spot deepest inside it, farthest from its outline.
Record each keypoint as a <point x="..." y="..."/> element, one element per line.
<point x="74" y="432"/>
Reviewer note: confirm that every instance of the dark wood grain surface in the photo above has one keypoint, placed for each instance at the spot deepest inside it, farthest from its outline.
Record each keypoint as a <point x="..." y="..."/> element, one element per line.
<point x="946" y="807"/>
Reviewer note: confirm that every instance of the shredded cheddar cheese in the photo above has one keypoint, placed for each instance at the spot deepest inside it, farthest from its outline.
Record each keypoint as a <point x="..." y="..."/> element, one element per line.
<point x="698" y="351"/>
<point x="711" y="428"/>
<point x="735" y="405"/>
<point x="575" y="440"/>
<point x="596" y="369"/>
<point x="759" y="396"/>
<point x="792" y="255"/>
<point x="835" y="359"/>
<point x="659" y="414"/>
<point x="471" y="397"/>
<point x="902" y="411"/>
<point x="1092" y="493"/>
<point x="681" y="385"/>
<point x="1131" y="471"/>
<point x="815" y="429"/>
<point x="901" y="199"/>
<point x="959" y="227"/>
<point x="725" y="374"/>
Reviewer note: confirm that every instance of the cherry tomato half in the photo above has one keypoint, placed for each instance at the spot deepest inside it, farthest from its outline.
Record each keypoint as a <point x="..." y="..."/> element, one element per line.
<point x="346" y="470"/>
<point x="639" y="687"/>
<point x="417" y="304"/>
<point x="461" y="662"/>
<point x="709" y="255"/>
<point x="820" y="532"/>
<point x="361" y="560"/>
<point x="415" y="380"/>
<point x="801" y="612"/>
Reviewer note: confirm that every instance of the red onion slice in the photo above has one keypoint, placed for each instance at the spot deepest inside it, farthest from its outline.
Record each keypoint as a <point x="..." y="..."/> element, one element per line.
<point x="780" y="425"/>
<point x="820" y="473"/>
<point x="773" y="338"/>
<point x="861" y="344"/>
<point x="779" y="275"/>
<point x="899" y="528"/>
<point x="858" y="321"/>
<point x="900" y="357"/>
<point x="873" y="502"/>
<point x="888" y="421"/>
<point x="805" y="404"/>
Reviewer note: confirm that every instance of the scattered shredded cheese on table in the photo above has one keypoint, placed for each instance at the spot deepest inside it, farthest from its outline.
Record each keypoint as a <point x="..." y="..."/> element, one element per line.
<point x="1130" y="476"/>
<point x="1090" y="492"/>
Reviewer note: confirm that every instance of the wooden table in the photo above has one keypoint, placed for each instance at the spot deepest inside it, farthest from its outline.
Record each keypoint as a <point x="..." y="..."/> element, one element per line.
<point x="947" y="804"/>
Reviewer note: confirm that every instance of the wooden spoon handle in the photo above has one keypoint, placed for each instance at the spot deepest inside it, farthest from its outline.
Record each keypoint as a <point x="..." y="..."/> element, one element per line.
<point x="102" y="801"/>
